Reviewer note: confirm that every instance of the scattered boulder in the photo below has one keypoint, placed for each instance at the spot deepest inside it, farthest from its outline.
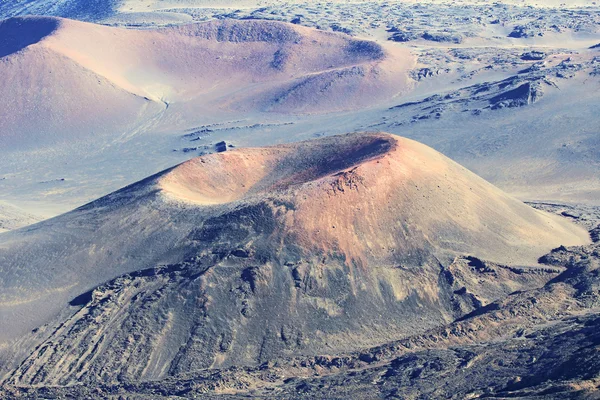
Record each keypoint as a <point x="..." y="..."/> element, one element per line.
<point x="221" y="147"/>
<point x="423" y="73"/>
<point x="567" y="68"/>
<point x="524" y="32"/>
<point x="339" y="28"/>
<point x="402" y="36"/>
<point x="443" y="37"/>
<point x="363" y="48"/>
<point x="533" y="56"/>
<point x="595" y="234"/>
<point x="533" y="68"/>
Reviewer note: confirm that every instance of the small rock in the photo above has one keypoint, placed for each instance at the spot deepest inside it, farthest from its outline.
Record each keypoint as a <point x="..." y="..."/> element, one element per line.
<point x="533" y="56"/>
<point x="221" y="147"/>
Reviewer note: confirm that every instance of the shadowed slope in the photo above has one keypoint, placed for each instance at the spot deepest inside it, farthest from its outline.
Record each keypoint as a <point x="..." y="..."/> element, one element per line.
<point x="18" y="33"/>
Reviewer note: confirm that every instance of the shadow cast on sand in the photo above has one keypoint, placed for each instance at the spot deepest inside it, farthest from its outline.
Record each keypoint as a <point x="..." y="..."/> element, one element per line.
<point x="18" y="33"/>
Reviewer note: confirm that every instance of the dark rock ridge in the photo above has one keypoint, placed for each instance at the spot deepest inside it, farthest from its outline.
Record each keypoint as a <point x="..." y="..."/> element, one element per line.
<point x="516" y="91"/>
<point x="442" y="37"/>
<point x="527" y="93"/>
<point x="402" y="36"/>
<point x="533" y="56"/>
<point x="526" y="31"/>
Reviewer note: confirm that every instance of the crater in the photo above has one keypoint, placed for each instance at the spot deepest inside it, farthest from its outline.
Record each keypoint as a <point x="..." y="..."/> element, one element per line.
<point x="230" y="176"/>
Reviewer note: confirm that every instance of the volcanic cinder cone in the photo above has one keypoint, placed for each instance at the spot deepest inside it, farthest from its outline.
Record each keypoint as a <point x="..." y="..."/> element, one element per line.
<point x="67" y="81"/>
<point x="241" y="257"/>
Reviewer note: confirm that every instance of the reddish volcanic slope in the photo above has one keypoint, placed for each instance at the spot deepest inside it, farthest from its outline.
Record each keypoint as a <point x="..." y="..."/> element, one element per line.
<point x="373" y="195"/>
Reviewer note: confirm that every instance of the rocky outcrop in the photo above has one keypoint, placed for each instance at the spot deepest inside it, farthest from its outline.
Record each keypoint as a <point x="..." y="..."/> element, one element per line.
<point x="525" y="94"/>
<point x="533" y="56"/>
<point x="443" y="37"/>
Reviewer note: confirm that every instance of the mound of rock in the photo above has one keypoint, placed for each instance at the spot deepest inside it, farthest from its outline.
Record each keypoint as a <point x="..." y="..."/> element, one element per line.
<point x="242" y="257"/>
